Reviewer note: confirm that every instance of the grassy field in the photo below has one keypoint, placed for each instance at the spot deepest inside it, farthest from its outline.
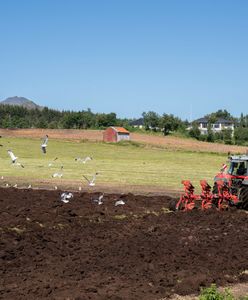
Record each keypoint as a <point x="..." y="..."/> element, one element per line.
<point x="117" y="164"/>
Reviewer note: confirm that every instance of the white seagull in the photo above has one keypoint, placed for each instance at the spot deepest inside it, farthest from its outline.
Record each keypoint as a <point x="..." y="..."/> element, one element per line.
<point x="84" y="160"/>
<point x="92" y="181"/>
<point x="50" y="164"/>
<point x="119" y="202"/>
<point x="99" y="200"/>
<point x="14" y="159"/>
<point x="44" y="144"/>
<point x="65" y="197"/>
<point x="58" y="174"/>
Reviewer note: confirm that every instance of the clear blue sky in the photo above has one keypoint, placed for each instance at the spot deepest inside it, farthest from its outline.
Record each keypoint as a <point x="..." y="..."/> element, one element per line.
<point x="126" y="56"/>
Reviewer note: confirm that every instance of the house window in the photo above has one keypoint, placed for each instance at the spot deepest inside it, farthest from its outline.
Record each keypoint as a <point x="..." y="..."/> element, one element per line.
<point x="216" y="126"/>
<point x="204" y="125"/>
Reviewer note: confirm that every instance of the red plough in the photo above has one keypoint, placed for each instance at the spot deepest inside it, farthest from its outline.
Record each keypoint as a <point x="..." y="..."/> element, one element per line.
<point x="206" y="195"/>
<point x="206" y="200"/>
<point x="224" y="198"/>
<point x="188" y="199"/>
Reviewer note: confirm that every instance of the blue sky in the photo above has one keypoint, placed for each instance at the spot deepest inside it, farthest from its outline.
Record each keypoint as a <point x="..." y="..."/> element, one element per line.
<point x="126" y="56"/>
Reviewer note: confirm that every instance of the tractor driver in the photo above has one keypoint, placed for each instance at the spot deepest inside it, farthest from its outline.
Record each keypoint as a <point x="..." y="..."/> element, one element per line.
<point x="242" y="169"/>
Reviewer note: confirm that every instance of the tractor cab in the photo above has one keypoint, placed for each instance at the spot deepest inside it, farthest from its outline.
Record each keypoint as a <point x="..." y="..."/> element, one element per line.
<point x="238" y="165"/>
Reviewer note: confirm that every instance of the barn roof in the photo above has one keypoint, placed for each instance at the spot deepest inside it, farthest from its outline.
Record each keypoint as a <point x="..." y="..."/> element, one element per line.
<point x="120" y="130"/>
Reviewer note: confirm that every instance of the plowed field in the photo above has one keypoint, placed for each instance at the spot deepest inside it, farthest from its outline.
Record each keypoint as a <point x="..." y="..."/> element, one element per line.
<point x="82" y="250"/>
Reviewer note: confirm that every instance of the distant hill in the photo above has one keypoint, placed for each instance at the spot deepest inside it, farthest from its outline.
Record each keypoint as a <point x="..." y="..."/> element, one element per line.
<point x="20" y="101"/>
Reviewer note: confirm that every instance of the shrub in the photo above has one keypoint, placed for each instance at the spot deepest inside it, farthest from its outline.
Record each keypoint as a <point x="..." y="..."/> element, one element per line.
<point x="211" y="293"/>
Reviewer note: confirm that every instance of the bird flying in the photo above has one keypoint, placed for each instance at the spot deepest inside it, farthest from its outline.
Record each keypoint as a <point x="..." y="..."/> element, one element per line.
<point x="50" y="164"/>
<point x="59" y="173"/>
<point x="119" y="202"/>
<point x="65" y="197"/>
<point x="92" y="181"/>
<point x="14" y="159"/>
<point x="84" y="160"/>
<point x="99" y="200"/>
<point x="44" y="144"/>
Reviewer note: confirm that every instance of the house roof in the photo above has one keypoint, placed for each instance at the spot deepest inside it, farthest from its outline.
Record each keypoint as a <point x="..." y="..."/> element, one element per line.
<point x="224" y="121"/>
<point x="137" y="122"/>
<point x="218" y="121"/>
<point x="202" y="120"/>
<point x="120" y="130"/>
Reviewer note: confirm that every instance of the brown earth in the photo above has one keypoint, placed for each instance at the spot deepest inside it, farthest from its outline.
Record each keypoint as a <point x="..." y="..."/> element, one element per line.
<point x="168" y="142"/>
<point x="81" y="250"/>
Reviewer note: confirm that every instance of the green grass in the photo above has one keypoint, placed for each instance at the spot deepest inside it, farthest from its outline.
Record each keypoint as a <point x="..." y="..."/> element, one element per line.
<point x="130" y="164"/>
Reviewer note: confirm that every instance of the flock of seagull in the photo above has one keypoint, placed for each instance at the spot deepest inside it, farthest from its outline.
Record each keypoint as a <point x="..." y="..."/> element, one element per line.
<point x="59" y="173"/>
<point x="66" y="196"/>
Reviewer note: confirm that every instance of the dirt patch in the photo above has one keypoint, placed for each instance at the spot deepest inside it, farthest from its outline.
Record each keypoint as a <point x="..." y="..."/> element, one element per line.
<point x="92" y="135"/>
<point x="167" y="142"/>
<point x="81" y="250"/>
<point x="176" y="143"/>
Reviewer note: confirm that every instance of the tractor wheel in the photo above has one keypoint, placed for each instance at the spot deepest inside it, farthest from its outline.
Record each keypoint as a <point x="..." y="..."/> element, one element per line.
<point x="215" y="189"/>
<point x="243" y="197"/>
<point x="172" y="204"/>
<point x="215" y="192"/>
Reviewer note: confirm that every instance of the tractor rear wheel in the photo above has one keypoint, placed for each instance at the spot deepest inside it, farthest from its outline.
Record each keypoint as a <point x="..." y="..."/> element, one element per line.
<point x="215" y="192"/>
<point x="215" y="188"/>
<point x="172" y="204"/>
<point x="243" y="197"/>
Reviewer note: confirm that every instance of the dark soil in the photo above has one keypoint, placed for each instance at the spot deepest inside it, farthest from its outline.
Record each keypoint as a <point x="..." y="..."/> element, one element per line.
<point x="81" y="250"/>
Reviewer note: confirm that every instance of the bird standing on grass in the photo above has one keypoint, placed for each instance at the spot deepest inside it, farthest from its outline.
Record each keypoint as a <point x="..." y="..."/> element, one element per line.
<point x="44" y="144"/>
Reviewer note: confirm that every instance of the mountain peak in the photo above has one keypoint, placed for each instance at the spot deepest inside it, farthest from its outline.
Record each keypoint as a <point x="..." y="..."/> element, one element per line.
<point x="20" y="101"/>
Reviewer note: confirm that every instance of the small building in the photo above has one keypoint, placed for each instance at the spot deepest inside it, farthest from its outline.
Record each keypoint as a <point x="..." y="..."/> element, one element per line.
<point x="116" y="134"/>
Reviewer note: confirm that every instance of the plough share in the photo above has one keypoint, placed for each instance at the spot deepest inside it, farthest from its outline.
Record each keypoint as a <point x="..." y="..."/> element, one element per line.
<point x="221" y="200"/>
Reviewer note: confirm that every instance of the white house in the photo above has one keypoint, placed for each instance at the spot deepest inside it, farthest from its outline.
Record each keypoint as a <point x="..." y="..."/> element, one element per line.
<point x="218" y="126"/>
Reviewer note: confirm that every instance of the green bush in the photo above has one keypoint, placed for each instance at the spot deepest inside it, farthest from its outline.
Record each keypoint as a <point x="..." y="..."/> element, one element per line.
<point x="211" y="293"/>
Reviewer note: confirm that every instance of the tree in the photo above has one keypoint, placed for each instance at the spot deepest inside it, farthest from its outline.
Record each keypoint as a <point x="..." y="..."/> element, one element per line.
<point x="242" y="121"/>
<point x="151" y="120"/>
<point x="227" y="136"/>
<point x="241" y="135"/>
<point x="169" y="123"/>
<point x="221" y="114"/>
<point x="195" y="132"/>
<point x="210" y="135"/>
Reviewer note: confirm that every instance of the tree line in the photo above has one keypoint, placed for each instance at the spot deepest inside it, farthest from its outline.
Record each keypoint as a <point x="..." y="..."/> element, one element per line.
<point x="21" y="117"/>
<point x="168" y="123"/>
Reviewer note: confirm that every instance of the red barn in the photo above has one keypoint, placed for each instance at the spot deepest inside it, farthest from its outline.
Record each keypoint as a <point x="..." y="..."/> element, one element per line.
<point x="115" y="134"/>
